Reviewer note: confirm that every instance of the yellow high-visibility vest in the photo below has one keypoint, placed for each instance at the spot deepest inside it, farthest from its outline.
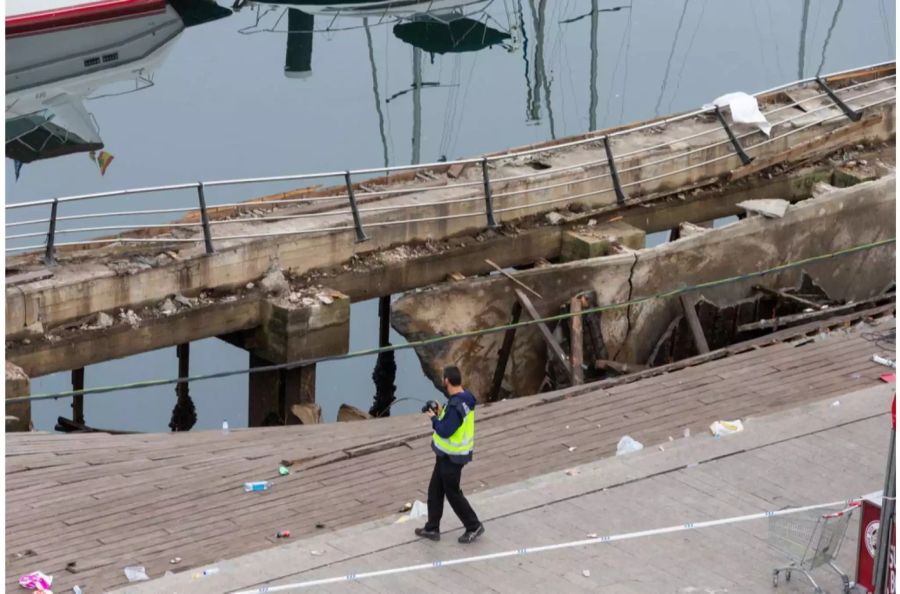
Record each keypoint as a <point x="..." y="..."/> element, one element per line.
<point x="462" y="442"/>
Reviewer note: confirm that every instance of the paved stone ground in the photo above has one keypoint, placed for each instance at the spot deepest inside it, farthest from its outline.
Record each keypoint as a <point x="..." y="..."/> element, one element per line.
<point x="812" y="454"/>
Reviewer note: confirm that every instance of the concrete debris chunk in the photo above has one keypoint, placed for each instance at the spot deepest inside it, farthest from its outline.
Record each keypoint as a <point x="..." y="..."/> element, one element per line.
<point x="686" y="230"/>
<point x="36" y="329"/>
<point x="274" y="282"/>
<point x="771" y="208"/>
<point x="182" y="300"/>
<point x="326" y="299"/>
<point x="168" y="307"/>
<point x="104" y="320"/>
<point x="554" y="218"/>
<point x="130" y="317"/>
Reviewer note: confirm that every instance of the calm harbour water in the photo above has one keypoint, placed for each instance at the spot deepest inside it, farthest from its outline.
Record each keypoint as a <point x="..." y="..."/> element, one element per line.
<point x="222" y="106"/>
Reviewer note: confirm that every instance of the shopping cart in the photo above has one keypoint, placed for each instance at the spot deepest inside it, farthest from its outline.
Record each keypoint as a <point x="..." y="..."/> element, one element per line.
<point x="809" y="540"/>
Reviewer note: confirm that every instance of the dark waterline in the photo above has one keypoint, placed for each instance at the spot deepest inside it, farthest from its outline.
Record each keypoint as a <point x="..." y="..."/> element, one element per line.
<point x="221" y="106"/>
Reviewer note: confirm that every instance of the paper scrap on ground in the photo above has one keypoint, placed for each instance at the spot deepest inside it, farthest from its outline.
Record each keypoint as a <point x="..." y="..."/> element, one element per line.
<point x="416" y="510"/>
<point x="136" y="573"/>
<point x="720" y="428"/>
<point x="627" y="445"/>
<point x="888" y="378"/>
<point x="744" y="110"/>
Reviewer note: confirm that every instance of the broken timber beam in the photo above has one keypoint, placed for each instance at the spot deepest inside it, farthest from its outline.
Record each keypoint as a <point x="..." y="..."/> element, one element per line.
<point x="512" y="278"/>
<point x="548" y="336"/>
<point x="505" y="351"/>
<point x="789" y="297"/>
<point x="687" y="303"/>
<point x="811" y="315"/>
<point x="576" y="341"/>
<point x="623" y="368"/>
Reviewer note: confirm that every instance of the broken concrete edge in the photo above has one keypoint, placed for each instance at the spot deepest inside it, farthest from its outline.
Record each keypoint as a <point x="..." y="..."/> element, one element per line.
<point x="806" y="230"/>
<point x="240" y="262"/>
<point x="17" y="384"/>
<point x="267" y="566"/>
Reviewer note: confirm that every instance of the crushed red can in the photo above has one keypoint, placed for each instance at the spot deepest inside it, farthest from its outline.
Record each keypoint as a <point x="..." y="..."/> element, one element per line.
<point x="283" y="534"/>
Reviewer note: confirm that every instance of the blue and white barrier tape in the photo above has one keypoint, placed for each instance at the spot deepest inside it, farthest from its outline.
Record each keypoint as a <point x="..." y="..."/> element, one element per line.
<point x="544" y="548"/>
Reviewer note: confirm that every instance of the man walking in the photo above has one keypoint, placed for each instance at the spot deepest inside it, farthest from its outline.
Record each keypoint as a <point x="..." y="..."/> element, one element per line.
<point x="453" y="442"/>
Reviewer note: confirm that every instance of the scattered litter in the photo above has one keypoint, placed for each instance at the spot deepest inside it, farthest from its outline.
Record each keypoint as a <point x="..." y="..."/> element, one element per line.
<point x="855" y="376"/>
<point x="225" y="427"/>
<point x="406" y="507"/>
<point x="250" y="286"/>
<point x="317" y="553"/>
<point x="586" y="573"/>
<point x="77" y="590"/>
<point x="720" y="428"/>
<point x="36" y="580"/>
<point x="283" y="534"/>
<point x="572" y="448"/>
<point x="687" y="431"/>
<point x="693" y="465"/>
<point x="592" y="535"/>
<point x="883" y="361"/>
<point x="320" y="526"/>
<point x="573" y="472"/>
<point x="567" y="426"/>
<point x="627" y="445"/>
<point x="136" y="573"/>
<point x="206" y="572"/>
<point x="591" y="222"/>
<point x="70" y="567"/>
<point x="671" y="438"/>
<point x="283" y="470"/>
<point x="888" y="378"/>
<point x="418" y="510"/>
<point x="836" y="403"/>
<point x="661" y="449"/>
<point x="168" y="308"/>
<point x="257" y="486"/>
<point x="26" y="553"/>
<point x="175" y="560"/>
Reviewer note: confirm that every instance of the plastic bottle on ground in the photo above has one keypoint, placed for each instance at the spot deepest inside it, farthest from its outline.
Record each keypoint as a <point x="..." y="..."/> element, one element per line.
<point x="257" y="486"/>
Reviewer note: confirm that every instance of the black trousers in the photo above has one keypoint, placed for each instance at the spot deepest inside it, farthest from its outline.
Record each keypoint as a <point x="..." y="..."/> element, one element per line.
<point x="445" y="483"/>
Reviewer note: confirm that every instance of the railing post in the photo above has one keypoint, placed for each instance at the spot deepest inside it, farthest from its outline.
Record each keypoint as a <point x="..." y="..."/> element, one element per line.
<point x="50" y="253"/>
<point x="851" y="113"/>
<point x="357" y="222"/>
<point x="745" y="158"/>
<point x="614" y="173"/>
<point x="204" y="219"/>
<point x="488" y="195"/>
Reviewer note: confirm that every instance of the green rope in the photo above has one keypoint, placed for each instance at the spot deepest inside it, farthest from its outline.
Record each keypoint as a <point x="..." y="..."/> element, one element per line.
<point x="449" y="337"/>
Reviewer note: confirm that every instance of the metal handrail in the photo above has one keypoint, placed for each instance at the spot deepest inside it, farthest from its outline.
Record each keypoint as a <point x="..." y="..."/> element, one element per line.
<point x="488" y="194"/>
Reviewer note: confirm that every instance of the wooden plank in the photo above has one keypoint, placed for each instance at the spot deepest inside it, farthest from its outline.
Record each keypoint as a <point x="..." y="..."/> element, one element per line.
<point x="505" y="350"/>
<point x="816" y="315"/>
<point x="545" y="332"/>
<point x="687" y="303"/>
<point x="789" y="297"/>
<point x="576" y="341"/>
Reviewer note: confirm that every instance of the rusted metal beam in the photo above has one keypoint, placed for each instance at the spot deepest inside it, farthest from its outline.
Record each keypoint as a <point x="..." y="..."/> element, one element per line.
<point x="505" y="350"/>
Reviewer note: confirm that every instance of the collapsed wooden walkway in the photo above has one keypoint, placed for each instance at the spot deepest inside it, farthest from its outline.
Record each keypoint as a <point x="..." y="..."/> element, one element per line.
<point x="83" y="507"/>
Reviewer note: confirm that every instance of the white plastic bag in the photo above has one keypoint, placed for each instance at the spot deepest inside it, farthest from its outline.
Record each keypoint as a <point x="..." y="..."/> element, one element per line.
<point x="628" y="445"/>
<point x="419" y="510"/>
<point x="744" y="110"/>
<point x="720" y="428"/>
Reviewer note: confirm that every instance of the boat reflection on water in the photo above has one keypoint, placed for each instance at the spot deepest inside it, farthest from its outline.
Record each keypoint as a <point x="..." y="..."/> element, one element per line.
<point x="63" y="53"/>
<point x="436" y="26"/>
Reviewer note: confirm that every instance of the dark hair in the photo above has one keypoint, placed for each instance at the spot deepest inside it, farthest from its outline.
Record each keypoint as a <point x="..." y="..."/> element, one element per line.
<point x="452" y="375"/>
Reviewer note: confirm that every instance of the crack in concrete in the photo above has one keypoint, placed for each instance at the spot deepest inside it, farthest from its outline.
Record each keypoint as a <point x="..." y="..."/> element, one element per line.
<point x="628" y="309"/>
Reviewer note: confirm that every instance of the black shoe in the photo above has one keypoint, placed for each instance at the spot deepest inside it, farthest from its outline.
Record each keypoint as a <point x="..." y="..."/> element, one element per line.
<point x="434" y="535"/>
<point x="471" y="535"/>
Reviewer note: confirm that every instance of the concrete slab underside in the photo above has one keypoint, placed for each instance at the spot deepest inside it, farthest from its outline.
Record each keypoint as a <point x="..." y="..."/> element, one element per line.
<point x="813" y="454"/>
<point x="107" y="501"/>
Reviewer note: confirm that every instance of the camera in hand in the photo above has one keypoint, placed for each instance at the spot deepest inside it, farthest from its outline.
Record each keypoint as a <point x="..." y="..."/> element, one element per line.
<point x="431" y="405"/>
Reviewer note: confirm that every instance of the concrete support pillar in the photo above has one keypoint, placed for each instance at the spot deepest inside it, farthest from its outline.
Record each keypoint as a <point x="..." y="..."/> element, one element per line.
<point x="593" y="242"/>
<point x="274" y="393"/>
<point x="292" y="331"/>
<point x="17" y="384"/>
